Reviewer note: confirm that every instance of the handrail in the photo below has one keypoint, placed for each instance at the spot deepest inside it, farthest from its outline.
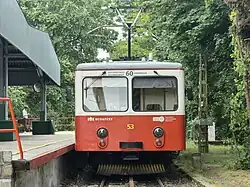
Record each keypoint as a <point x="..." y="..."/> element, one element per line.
<point x="15" y="129"/>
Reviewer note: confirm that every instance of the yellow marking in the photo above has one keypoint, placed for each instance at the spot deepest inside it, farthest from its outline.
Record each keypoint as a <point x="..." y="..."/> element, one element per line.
<point x="40" y="146"/>
<point x="130" y="126"/>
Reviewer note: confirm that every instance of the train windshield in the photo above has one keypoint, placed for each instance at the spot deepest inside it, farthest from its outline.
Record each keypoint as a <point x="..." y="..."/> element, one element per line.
<point x="154" y="94"/>
<point x="105" y="94"/>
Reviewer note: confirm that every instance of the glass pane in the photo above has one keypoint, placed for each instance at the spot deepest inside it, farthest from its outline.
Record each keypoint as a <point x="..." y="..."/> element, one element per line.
<point x="154" y="83"/>
<point x="105" y="94"/>
<point x="155" y="94"/>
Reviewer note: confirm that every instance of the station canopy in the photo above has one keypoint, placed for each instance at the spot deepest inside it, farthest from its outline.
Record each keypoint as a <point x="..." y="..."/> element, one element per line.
<point x="29" y="50"/>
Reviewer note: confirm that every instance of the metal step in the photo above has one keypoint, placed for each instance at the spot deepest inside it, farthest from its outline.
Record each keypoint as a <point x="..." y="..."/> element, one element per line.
<point x="129" y="169"/>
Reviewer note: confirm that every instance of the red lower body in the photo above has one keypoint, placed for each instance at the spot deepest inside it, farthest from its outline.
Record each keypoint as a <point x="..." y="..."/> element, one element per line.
<point x="124" y="131"/>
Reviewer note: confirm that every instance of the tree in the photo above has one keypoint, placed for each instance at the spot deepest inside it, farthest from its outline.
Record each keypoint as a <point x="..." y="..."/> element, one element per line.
<point x="77" y="29"/>
<point x="185" y="30"/>
<point x="240" y="17"/>
<point x="18" y="96"/>
<point x="143" y="41"/>
<point x="141" y="46"/>
<point x="71" y="25"/>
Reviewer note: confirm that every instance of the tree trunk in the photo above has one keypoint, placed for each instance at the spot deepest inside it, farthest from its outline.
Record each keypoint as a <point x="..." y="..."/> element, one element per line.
<point x="241" y="33"/>
<point x="247" y="92"/>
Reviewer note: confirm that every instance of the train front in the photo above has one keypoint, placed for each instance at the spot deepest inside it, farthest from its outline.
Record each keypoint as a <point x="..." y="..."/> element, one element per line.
<point x="130" y="121"/>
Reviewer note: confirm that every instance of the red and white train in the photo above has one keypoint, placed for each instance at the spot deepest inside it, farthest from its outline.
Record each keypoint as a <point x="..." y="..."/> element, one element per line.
<point x="129" y="112"/>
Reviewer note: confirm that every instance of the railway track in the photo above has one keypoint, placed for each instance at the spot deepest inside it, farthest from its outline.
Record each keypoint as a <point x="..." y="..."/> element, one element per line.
<point x="131" y="183"/>
<point x="173" y="177"/>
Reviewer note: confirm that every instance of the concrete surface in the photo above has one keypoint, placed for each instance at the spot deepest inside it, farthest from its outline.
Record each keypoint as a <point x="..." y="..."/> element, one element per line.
<point x="34" y="145"/>
<point x="50" y="174"/>
<point x="5" y="183"/>
<point x="5" y="169"/>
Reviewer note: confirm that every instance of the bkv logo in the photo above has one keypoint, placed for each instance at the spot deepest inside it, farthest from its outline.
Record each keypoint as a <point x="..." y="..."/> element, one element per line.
<point x="91" y="119"/>
<point x="164" y="119"/>
<point x="160" y="119"/>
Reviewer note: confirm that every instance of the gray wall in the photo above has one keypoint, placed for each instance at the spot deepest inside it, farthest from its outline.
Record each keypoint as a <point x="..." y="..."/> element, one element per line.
<point x="50" y="174"/>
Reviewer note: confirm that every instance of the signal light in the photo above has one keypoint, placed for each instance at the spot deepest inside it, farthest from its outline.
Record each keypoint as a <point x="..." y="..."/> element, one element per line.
<point x="102" y="144"/>
<point x="158" y="143"/>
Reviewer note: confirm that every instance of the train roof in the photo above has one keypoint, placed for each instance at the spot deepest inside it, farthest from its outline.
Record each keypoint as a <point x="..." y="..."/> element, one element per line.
<point x="128" y="65"/>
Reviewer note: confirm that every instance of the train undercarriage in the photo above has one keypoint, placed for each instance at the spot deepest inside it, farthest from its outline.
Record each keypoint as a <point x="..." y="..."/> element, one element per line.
<point x="126" y="163"/>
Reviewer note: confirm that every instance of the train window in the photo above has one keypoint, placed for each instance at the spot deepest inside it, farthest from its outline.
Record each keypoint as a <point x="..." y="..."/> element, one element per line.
<point x="105" y="94"/>
<point x="154" y="94"/>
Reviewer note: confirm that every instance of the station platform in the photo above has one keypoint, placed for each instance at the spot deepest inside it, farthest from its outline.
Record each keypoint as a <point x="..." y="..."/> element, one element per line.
<point x="39" y="149"/>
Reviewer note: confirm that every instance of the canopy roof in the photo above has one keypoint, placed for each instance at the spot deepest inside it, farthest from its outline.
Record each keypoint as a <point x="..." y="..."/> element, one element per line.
<point x="27" y="49"/>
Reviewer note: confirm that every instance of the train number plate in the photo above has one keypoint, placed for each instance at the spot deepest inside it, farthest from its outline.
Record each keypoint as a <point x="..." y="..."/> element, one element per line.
<point x="130" y="126"/>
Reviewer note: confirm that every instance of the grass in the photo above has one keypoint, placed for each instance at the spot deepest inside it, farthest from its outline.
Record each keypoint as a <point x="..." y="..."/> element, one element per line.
<point x="216" y="166"/>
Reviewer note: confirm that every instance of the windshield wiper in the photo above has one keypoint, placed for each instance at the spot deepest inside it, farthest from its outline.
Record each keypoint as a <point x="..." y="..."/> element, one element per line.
<point x="94" y="81"/>
<point x="156" y="73"/>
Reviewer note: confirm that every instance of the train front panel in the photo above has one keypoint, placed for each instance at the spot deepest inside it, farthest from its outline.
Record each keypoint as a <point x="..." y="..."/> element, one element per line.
<point x="122" y="110"/>
<point x="123" y="133"/>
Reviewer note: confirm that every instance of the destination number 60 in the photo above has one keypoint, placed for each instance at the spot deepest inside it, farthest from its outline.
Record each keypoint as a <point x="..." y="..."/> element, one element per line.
<point x="129" y="73"/>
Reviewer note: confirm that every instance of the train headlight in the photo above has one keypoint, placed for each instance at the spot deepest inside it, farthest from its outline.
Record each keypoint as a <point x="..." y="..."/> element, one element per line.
<point x="158" y="132"/>
<point x="102" y="133"/>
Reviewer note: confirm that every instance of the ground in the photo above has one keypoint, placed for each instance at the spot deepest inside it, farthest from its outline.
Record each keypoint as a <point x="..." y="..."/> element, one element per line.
<point x="215" y="170"/>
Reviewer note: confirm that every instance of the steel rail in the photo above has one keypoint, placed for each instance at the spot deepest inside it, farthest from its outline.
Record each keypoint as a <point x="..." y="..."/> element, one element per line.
<point x="159" y="182"/>
<point x="102" y="182"/>
<point x="131" y="182"/>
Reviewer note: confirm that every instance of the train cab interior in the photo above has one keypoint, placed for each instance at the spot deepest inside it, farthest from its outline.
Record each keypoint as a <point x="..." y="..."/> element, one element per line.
<point x="154" y="94"/>
<point x="148" y="94"/>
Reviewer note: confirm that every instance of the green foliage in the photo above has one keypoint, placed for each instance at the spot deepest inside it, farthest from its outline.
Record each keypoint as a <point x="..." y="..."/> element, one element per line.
<point x="243" y="161"/>
<point x="18" y="97"/>
<point x="76" y="29"/>
<point x="65" y="125"/>
<point x="141" y="46"/>
<point x="183" y="30"/>
<point x="208" y="2"/>
<point x="238" y="122"/>
<point x="71" y="25"/>
<point x="142" y="41"/>
<point x="187" y="28"/>
<point x="239" y="106"/>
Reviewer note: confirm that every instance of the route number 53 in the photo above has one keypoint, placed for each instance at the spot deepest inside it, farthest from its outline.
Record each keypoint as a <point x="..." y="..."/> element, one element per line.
<point x="130" y="126"/>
